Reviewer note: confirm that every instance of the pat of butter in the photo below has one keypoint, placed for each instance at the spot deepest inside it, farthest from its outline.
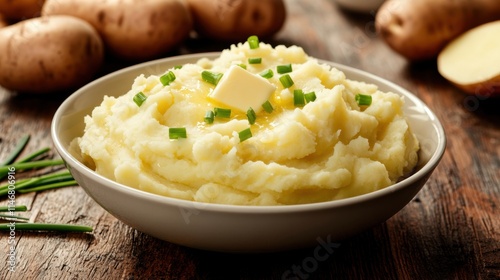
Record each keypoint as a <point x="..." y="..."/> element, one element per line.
<point x="240" y="89"/>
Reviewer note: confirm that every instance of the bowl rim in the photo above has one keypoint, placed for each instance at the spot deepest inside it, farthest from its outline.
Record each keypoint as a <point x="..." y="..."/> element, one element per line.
<point x="73" y="163"/>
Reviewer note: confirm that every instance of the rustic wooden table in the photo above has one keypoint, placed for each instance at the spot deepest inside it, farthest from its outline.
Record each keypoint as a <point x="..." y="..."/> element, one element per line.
<point x="451" y="230"/>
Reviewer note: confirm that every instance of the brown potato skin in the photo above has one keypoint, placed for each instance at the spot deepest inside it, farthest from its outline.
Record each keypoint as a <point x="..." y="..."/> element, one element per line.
<point x="236" y="20"/>
<point x="3" y="21"/>
<point x="134" y="30"/>
<point x="489" y="88"/>
<point x="420" y="29"/>
<point x="49" y="54"/>
<point x="21" y="9"/>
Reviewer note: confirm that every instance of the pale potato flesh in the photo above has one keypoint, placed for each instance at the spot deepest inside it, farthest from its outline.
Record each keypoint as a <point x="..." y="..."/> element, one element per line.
<point x="473" y="58"/>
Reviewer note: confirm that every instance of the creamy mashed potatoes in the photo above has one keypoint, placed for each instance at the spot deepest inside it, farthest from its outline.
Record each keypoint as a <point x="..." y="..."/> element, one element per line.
<point x="330" y="148"/>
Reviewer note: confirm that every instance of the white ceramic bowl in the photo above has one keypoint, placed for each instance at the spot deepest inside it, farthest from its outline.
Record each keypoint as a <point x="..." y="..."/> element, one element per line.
<point x="231" y="228"/>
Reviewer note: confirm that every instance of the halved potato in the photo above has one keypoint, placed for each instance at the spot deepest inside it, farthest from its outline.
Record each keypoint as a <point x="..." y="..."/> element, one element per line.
<point x="420" y="29"/>
<point x="472" y="60"/>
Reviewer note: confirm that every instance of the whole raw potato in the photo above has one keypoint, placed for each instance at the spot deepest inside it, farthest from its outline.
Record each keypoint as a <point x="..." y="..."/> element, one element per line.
<point x="236" y="20"/>
<point x="131" y="29"/>
<point x="419" y="29"/>
<point x="21" y="9"/>
<point x="49" y="54"/>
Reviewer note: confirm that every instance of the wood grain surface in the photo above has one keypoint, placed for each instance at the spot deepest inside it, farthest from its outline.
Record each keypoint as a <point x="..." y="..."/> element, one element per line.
<point x="451" y="230"/>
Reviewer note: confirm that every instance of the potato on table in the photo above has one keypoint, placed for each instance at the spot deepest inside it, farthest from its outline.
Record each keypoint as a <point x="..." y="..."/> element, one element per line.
<point x="3" y="21"/>
<point x="21" y="9"/>
<point x="131" y="29"/>
<point x="472" y="60"/>
<point x="48" y="54"/>
<point x="237" y="20"/>
<point x="419" y="29"/>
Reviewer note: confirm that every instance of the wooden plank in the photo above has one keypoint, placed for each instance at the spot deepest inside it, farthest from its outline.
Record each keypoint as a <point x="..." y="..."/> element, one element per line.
<point x="449" y="231"/>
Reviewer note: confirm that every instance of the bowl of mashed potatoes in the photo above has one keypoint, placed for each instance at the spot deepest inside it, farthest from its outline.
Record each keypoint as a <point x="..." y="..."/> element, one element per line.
<point x="256" y="148"/>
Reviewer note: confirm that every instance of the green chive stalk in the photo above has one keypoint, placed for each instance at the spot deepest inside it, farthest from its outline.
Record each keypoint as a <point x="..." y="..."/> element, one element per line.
<point x="21" y="144"/>
<point x="44" y="227"/>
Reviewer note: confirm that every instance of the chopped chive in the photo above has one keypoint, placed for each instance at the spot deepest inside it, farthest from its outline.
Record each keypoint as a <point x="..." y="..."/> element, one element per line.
<point x="285" y="68"/>
<point x="177" y="66"/>
<point x="21" y="208"/>
<point x="46" y="227"/>
<point x="177" y="132"/>
<point x="268" y="73"/>
<point x="286" y="81"/>
<point x="255" y="60"/>
<point x="21" y="144"/>
<point x="298" y="98"/>
<point x="251" y="116"/>
<point x="209" y="116"/>
<point x="222" y="113"/>
<point x="167" y="78"/>
<point x="245" y="134"/>
<point x="242" y="65"/>
<point x="363" y="99"/>
<point x="139" y="98"/>
<point x="310" y="96"/>
<point x="268" y="107"/>
<point x="253" y="42"/>
<point x="211" y="77"/>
